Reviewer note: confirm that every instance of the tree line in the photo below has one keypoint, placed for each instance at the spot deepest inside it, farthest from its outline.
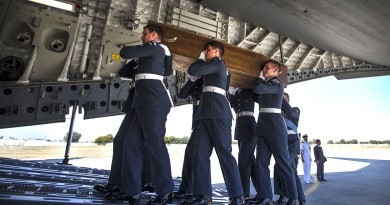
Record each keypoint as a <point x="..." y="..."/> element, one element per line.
<point x="103" y="140"/>
<point x="355" y="141"/>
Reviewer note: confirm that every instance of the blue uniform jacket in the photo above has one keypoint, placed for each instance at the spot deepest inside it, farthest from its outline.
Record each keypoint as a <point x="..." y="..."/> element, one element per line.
<point x="193" y="89"/>
<point x="292" y="114"/>
<point x="270" y="95"/>
<point x="154" y="58"/>
<point x="128" y="71"/>
<point x="245" y="125"/>
<point x="212" y="105"/>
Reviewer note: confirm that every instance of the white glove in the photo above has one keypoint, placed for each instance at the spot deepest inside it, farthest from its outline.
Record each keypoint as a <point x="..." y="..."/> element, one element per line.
<point x="232" y="90"/>
<point x="261" y="75"/>
<point x="202" y="56"/>
<point x="194" y="78"/>
<point x="141" y="42"/>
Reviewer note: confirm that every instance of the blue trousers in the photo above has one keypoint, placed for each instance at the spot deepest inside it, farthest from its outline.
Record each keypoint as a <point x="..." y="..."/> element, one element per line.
<point x="279" y="185"/>
<point x="117" y="151"/>
<point x="147" y="135"/>
<point x="117" y="154"/>
<point x="276" y="145"/>
<point x="187" y="176"/>
<point x="247" y="162"/>
<point x="209" y="134"/>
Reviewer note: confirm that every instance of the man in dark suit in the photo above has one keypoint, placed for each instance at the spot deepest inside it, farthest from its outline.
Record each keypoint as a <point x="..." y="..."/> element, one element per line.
<point x="291" y="115"/>
<point x="272" y="135"/>
<point x="192" y="88"/>
<point x="214" y="128"/>
<point x="152" y="104"/>
<point x="243" y="104"/>
<point x="320" y="159"/>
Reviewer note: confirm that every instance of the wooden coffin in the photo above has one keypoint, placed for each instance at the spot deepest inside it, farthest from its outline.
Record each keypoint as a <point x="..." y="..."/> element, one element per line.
<point x="243" y="65"/>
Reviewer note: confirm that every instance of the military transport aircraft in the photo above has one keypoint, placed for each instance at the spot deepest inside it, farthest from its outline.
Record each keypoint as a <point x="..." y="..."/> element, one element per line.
<point x="57" y="54"/>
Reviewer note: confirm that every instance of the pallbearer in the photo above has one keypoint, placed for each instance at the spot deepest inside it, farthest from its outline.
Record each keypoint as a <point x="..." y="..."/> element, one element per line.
<point x="152" y="104"/>
<point x="192" y="88"/>
<point x="272" y="133"/>
<point x="214" y="127"/>
<point x="243" y="103"/>
<point x="115" y="178"/>
<point x="291" y="115"/>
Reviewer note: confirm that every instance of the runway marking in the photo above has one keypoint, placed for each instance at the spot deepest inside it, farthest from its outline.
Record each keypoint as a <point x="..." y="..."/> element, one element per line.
<point x="313" y="187"/>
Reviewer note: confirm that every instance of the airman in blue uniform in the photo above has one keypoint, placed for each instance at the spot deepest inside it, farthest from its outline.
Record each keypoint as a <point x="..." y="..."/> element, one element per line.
<point x="214" y="128"/>
<point x="243" y="104"/>
<point x="152" y="104"/>
<point x="272" y="134"/>
<point x="291" y="115"/>
<point x="115" y="178"/>
<point x="192" y="88"/>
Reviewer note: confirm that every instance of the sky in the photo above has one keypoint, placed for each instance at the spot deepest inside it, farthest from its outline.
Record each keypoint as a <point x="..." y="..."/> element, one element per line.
<point x="331" y="109"/>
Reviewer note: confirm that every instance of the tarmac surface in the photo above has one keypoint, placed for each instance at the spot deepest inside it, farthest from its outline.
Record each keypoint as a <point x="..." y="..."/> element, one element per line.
<point x="354" y="177"/>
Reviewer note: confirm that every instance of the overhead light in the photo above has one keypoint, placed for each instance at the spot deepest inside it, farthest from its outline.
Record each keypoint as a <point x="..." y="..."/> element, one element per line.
<point x="56" y="4"/>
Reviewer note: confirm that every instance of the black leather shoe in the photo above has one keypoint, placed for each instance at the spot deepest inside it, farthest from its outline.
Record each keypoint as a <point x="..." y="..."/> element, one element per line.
<point x="238" y="200"/>
<point x="302" y="202"/>
<point x="148" y="187"/>
<point x="199" y="200"/>
<point x="114" y="196"/>
<point x="267" y="202"/>
<point x="161" y="199"/>
<point x="281" y="201"/>
<point x="291" y="202"/>
<point x="255" y="201"/>
<point x="106" y="188"/>
<point x="324" y="180"/>
<point x="187" y="199"/>
<point x="134" y="200"/>
<point x="180" y="194"/>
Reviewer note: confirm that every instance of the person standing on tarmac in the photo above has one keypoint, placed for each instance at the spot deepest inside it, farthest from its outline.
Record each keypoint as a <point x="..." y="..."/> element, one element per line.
<point x="214" y="128"/>
<point x="320" y="159"/>
<point x="152" y="104"/>
<point x="306" y="159"/>
<point x="272" y="135"/>
<point x="291" y="115"/>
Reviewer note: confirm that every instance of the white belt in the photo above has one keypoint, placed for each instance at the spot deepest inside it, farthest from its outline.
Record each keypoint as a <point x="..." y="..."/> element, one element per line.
<point x="214" y="89"/>
<point x="219" y="91"/>
<point x="291" y="132"/>
<point x="270" y="110"/>
<point x="150" y="76"/>
<point x="244" y="113"/>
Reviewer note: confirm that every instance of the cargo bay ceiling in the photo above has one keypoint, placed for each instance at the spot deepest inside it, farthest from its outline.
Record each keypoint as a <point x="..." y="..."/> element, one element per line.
<point x="347" y="39"/>
<point x="333" y="36"/>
